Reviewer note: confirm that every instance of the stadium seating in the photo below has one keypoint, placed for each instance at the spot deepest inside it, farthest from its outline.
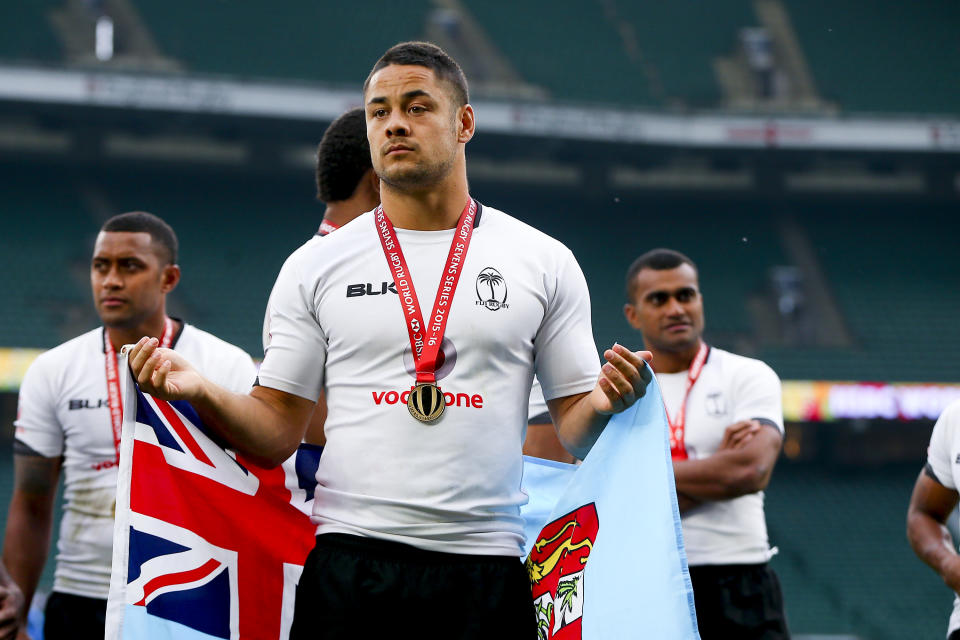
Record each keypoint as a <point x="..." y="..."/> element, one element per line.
<point x="844" y="561"/>
<point x="26" y="34"/>
<point x="326" y="42"/>
<point x="893" y="272"/>
<point x="882" y="56"/>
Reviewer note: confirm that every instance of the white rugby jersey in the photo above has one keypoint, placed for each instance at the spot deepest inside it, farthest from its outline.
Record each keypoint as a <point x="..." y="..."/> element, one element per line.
<point x="943" y="458"/>
<point x="63" y="411"/>
<point x="337" y="325"/>
<point x="731" y="388"/>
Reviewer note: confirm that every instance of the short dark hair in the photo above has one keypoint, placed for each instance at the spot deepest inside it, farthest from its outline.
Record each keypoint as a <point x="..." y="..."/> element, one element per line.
<point x="343" y="157"/>
<point x="429" y="55"/>
<point x="143" y="222"/>
<point x="658" y="260"/>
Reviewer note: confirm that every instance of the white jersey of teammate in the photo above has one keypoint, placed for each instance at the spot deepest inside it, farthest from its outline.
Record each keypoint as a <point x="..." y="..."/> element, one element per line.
<point x="337" y="325"/>
<point x="731" y="388"/>
<point x="943" y="458"/>
<point x="63" y="411"/>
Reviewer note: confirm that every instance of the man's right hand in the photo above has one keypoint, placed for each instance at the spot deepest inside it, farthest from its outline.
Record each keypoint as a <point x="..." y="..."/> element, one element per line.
<point x="739" y="434"/>
<point x="163" y="373"/>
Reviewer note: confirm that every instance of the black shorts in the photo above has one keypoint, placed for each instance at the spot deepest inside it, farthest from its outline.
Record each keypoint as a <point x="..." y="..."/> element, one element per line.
<point x="67" y="616"/>
<point x="740" y="601"/>
<point x="354" y="587"/>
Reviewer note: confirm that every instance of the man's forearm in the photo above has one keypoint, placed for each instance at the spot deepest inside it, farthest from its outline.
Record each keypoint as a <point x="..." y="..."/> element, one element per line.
<point x="579" y="425"/>
<point x="722" y="476"/>
<point x="249" y="424"/>
<point x="932" y="543"/>
<point x="26" y="543"/>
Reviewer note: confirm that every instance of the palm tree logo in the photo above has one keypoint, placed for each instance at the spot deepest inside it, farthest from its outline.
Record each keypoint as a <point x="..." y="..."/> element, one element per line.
<point x="491" y="279"/>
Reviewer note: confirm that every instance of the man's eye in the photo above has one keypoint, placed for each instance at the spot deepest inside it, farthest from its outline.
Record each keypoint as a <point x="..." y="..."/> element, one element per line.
<point x="417" y="109"/>
<point x="685" y="296"/>
<point x="658" y="299"/>
<point x="379" y="113"/>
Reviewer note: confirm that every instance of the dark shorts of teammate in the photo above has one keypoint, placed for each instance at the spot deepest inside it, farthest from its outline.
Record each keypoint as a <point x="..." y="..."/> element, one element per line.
<point x="740" y="601"/>
<point x="354" y="587"/>
<point x="70" y="617"/>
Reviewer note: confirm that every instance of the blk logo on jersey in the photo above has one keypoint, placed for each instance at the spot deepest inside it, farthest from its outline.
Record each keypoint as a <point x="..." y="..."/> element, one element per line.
<point x="370" y="289"/>
<point x="491" y="290"/>
<point x="74" y="405"/>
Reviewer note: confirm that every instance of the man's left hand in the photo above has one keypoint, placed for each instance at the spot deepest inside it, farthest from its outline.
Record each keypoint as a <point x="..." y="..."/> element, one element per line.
<point x="11" y="605"/>
<point x="623" y="380"/>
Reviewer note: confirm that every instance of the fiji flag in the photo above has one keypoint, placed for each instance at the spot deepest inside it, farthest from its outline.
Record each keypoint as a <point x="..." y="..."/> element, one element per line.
<point x="206" y="544"/>
<point x="604" y="543"/>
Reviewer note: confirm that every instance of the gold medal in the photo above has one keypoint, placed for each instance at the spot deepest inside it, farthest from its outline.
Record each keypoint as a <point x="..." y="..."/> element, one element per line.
<point x="426" y="402"/>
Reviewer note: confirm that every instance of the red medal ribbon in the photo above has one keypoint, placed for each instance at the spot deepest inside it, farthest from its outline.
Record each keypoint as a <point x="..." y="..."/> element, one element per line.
<point x="326" y="228"/>
<point x="678" y="449"/>
<point x="113" y="380"/>
<point x="425" y="340"/>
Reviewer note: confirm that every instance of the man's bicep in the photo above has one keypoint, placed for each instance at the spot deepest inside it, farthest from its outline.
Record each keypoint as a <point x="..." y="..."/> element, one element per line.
<point x="34" y="474"/>
<point x="932" y="498"/>
<point x="291" y="409"/>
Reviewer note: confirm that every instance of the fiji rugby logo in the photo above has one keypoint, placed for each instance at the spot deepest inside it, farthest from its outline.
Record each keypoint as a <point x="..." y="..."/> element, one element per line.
<point x="556" y="566"/>
<point x="491" y="290"/>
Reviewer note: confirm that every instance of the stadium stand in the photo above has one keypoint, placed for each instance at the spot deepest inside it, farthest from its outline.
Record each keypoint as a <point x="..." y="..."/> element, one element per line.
<point x="844" y="562"/>
<point x="25" y="32"/>
<point x="537" y="37"/>
<point x="682" y="39"/>
<point x="882" y="56"/>
<point x="893" y="272"/>
<point x="327" y="42"/>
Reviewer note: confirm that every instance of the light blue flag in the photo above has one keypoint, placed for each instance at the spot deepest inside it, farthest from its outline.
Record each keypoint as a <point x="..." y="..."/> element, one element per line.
<point x="607" y="560"/>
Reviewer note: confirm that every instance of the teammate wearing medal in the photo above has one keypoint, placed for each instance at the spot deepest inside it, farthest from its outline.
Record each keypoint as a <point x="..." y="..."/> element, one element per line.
<point x="69" y="417"/>
<point x="726" y="427"/>
<point x="418" y="523"/>
<point x="348" y="186"/>
<point x="934" y="498"/>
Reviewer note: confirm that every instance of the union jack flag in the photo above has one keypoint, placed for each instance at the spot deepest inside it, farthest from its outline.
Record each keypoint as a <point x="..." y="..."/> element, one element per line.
<point x="206" y="544"/>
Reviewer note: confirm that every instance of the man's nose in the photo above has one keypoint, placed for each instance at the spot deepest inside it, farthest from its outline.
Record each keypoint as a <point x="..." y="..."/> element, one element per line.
<point x="674" y="308"/>
<point x="397" y="125"/>
<point x="112" y="279"/>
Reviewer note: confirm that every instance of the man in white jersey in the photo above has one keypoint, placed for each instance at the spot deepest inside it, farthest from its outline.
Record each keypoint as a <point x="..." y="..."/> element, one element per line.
<point x="934" y="499"/>
<point x="348" y="186"/>
<point x="69" y="416"/>
<point x="726" y="427"/>
<point x="418" y="495"/>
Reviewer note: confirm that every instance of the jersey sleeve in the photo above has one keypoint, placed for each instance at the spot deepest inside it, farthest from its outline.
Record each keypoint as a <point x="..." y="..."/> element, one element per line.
<point x="297" y="351"/>
<point x="758" y="395"/>
<point x="939" y="451"/>
<point x="537" y="411"/>
<point x="37" y="424"/>
<point x="565" y="355"/>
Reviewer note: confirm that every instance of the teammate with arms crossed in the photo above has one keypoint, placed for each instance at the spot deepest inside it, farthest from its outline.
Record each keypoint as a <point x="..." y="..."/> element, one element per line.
<point x="934" y="499"/>
<point x="69" y="417"/>
<point x="417" y="503"/>
<point x="726" y="426"/>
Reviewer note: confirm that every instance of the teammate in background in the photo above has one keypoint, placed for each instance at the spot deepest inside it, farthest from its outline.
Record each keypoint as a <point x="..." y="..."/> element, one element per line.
<point x="69" y="417"/>
<point x="934" y="499"/>
<point x="424" y="498"/>
<point x="726" y="428"/>
<point x="348" y="186"/>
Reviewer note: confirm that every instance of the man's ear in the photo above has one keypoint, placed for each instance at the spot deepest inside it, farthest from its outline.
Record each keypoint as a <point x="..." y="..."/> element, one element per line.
<point x="466" y="124"/>
<point x="630" y="312"/>
<point x="170" y="278"/>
